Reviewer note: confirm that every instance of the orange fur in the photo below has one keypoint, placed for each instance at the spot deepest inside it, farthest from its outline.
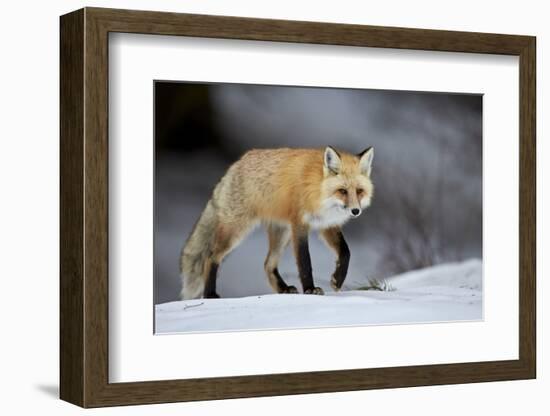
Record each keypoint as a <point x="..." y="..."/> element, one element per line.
<point x="289" y="190"/>
<point x="296" y="180"/>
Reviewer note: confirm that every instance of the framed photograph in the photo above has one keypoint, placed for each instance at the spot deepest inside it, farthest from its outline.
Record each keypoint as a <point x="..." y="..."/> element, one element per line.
<point x="255" y="207"/>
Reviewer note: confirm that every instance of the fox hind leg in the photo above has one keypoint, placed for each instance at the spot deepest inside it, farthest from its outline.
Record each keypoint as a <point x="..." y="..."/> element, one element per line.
<point x="226" y="238"/>
<point x="279" y="237"/>
<point x="210" y="276"/>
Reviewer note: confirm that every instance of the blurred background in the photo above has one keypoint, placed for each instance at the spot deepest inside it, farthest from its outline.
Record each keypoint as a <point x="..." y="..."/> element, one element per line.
<point x="427" y="171"/>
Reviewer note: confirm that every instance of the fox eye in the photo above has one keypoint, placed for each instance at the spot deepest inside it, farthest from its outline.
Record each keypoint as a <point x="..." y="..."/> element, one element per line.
<point x="359" y="191"/>
<point x="343" y="191"/>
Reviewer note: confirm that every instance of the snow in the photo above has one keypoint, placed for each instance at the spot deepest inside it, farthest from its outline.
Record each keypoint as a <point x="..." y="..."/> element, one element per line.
<point x="442" y="293"/>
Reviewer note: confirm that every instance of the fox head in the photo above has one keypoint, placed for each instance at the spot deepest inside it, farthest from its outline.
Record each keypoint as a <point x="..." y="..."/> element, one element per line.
<point x="347" y="184"/>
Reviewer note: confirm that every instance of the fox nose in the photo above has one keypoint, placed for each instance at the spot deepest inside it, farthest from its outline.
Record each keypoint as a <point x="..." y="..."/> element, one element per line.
<point x="355" y="212"/>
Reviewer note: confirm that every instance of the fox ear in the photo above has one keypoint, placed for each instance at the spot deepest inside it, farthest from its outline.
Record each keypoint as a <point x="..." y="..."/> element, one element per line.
<point x="332" y="160"/>
<point x="365" y="160"/>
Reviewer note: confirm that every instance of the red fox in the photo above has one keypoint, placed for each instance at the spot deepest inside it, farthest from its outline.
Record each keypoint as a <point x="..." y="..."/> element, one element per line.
<point x="290" y="191"/>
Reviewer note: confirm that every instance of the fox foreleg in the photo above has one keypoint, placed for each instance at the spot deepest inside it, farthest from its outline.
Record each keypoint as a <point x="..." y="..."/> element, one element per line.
<point x="335" y="239"/>
<point x="303" y="260"/>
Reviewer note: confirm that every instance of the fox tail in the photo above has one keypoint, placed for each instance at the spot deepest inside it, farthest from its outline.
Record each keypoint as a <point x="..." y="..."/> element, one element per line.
<point x="195" y="253"/>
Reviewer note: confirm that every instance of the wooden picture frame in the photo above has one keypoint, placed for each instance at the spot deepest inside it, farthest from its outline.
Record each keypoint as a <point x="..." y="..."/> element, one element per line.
<point x="84" y="207"/>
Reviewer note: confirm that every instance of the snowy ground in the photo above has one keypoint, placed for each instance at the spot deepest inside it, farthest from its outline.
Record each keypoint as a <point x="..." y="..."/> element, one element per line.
<point x="448" y="292"/>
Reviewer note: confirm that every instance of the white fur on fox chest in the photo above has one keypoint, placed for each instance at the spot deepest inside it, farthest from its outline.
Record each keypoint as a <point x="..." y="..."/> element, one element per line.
<point x="331" y="214"/>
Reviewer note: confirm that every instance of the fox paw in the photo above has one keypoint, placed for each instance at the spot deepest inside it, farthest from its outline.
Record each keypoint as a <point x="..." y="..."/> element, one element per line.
<point x="290" y="289"/>
<point x="334" y="285"/>
<point x="211" y="296"/>
<point x="314" y="291"/>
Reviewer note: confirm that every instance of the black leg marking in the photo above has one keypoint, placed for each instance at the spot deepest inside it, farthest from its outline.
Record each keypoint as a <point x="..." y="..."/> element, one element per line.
<point x="304" y="264"/>
<point x="210" y="284"/>
<point x="342" y="263"/>
<point x="282" y="287"/>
